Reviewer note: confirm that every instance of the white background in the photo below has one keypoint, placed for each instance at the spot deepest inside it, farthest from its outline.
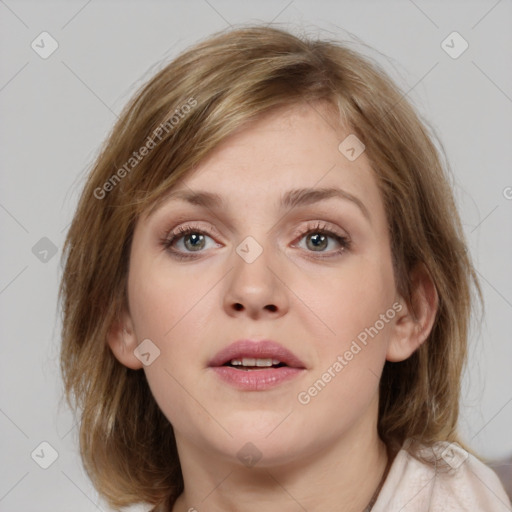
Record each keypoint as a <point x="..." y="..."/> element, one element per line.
<point x="55" y="113"/>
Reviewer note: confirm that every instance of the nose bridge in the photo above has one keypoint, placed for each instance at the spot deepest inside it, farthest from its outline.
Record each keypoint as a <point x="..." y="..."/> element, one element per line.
<point x="253" y="286"/>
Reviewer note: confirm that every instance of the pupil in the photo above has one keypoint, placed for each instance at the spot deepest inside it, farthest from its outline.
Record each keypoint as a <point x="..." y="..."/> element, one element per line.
<point x="194" y="241"/>
<point x="318" y="240"/>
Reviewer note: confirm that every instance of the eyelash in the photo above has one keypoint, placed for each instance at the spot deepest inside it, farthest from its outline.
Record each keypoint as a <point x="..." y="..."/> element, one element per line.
<point x="168" y="240"/>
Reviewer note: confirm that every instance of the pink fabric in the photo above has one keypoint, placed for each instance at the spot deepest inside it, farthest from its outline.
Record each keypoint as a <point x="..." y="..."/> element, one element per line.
<point x="451" y="481"/>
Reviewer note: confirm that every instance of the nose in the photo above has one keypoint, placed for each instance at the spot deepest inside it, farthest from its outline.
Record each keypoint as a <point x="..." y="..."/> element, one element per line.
<point x="255" y="288"/>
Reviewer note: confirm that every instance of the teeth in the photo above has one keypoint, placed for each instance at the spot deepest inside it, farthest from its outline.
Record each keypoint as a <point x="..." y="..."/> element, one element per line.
<point x="251" y="361"/>
<point x="263" y="362"/>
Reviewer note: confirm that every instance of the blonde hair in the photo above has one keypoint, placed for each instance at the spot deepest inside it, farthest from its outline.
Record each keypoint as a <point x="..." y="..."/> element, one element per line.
<point x="126" y="443"/>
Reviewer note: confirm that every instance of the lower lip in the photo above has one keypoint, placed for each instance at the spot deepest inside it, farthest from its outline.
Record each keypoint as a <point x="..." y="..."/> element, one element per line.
<point x="256" y="380"/>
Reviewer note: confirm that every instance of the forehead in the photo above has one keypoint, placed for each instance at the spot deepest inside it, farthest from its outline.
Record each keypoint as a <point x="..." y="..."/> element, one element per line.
<point x="299" y="143"/>
<point x="284" y="158"/>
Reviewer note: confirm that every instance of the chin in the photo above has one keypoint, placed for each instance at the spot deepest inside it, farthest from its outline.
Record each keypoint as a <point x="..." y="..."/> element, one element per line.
<point x="259" y="423"/>
<point x="262" y="439"/>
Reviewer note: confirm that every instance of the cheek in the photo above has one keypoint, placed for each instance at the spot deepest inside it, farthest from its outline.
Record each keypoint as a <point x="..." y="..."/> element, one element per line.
<point x="353" y="298"/>
<point x="345" y="380"/>
<point x="359" y="309"/>
<point x="162" y="301"/>
<point x="166" y="308"/>
<point x="173" y="310"/>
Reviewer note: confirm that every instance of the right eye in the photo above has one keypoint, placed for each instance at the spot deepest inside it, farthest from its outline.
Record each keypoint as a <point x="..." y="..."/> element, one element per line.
<point x="187" y="239"/>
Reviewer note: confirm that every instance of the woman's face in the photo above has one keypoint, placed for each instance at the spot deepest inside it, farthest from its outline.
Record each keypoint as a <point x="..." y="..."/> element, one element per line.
<point x="279" y="235"/>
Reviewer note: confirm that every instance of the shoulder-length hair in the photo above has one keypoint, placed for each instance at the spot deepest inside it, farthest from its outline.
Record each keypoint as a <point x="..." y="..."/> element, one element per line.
<point x="185" y="111"/>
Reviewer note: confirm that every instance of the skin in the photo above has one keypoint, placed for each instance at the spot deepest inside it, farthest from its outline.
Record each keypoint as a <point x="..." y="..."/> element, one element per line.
<point x="316" y="455"/>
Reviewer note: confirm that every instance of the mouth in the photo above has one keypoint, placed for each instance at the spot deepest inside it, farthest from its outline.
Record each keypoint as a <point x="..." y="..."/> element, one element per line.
<point x="251" y="363"/>
<point x="256" y="365"/>
<point x="255" y="355"/>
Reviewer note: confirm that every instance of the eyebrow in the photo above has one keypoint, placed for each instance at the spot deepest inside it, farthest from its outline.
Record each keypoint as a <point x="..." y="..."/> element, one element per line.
<point x="291" y="199"/>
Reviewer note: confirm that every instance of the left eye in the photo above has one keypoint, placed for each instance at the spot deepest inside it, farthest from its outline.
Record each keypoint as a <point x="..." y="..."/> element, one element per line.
<point x="320" y="241"/>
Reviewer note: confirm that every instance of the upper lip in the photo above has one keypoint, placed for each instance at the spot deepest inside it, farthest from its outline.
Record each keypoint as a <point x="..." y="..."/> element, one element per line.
<point x="262" y="349"/>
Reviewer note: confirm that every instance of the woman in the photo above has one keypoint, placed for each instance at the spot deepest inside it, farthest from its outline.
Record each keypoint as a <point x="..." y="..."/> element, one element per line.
<point x="267" y="292"/>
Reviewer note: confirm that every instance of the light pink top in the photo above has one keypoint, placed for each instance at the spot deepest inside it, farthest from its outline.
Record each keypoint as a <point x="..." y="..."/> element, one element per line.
<point x="451" y="481"/>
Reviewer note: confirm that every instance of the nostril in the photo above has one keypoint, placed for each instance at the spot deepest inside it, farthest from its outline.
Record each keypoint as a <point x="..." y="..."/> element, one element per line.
<point x="239" y="307"/>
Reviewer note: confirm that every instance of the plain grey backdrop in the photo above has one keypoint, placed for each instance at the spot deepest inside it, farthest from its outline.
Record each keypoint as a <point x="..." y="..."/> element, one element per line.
<point x="58" y="103"/>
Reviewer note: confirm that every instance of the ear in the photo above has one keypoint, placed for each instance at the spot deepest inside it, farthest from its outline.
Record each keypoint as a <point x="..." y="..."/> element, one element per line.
<point x="414" y="323"/>
<point x="123" y="341"/>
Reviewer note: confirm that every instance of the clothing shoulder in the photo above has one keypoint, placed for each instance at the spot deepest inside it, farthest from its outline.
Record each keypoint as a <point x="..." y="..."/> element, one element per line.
<point x="440" y="478"/>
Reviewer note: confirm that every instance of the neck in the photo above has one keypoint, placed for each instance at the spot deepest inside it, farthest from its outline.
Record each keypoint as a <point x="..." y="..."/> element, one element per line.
<point x="343" y="476"/>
